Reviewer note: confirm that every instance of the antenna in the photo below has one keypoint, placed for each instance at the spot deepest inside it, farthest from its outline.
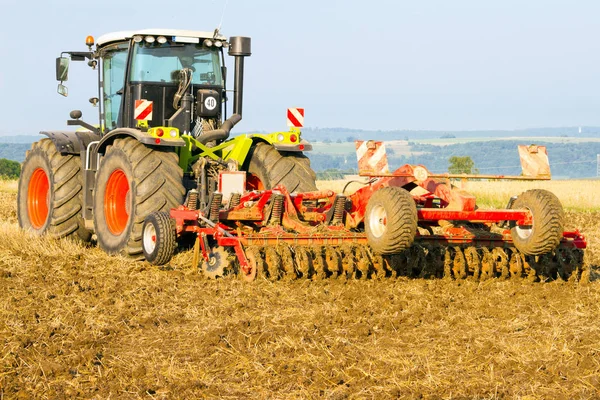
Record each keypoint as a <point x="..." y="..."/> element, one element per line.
<point x="222" y="16"/>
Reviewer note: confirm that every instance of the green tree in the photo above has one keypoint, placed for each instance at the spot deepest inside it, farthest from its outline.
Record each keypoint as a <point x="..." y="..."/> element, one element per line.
<point x="9" y="169"/>
<point x="462" y="165"/>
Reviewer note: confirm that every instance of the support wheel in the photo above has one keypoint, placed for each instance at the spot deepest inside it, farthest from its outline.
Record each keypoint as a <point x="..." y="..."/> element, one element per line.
<point x="545" y="233"/>
<point x="50" y="197"/>
<point x="391" y="220"/>
<point x="218" y="263"/>
<point x="159" y="238"/>
<point x="133" y="181"/>
<point x="268" y="168"/>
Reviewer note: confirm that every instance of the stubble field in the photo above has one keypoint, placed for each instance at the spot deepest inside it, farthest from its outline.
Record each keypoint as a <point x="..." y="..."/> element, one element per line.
<point x="75" y="323"/>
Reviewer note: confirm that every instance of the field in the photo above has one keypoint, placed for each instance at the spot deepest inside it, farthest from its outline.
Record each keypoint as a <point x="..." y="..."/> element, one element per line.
<point x="75" y="323"/>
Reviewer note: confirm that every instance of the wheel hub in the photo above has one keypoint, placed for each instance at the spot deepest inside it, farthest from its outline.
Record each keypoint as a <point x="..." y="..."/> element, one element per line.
<point x="149" y="238"/>
<point x="116" y="202"/>
<point x="378" y="221"/>
<point x="38" y="198"/>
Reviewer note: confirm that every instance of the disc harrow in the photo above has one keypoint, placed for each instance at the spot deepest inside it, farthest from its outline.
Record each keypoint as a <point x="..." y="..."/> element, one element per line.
<point x="403" y="224"/>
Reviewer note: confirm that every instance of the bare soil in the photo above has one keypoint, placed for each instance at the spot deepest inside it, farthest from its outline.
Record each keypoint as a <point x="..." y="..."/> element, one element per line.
<point x="75" y="323"/>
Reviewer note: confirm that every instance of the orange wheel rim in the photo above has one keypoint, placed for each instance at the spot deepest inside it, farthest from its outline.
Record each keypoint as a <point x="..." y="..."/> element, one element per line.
<point x="37" y="198"/>
<point x="115" y="202"/>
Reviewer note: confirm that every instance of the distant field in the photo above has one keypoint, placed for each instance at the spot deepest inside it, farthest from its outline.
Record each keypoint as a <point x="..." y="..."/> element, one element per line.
<point x="524" y="139"/>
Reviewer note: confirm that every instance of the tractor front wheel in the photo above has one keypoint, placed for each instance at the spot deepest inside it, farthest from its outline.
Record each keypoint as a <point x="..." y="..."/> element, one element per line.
<point x="133" y="181"/>
<point x="50" y="193"/>
<point x="391" y="220"/>
<point x="546" y="231"/>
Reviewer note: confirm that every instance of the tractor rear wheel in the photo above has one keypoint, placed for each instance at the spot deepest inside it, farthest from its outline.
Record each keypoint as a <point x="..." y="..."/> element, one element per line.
<point x="133" y="181"/>
<point x="268" y="168"/>
<point x="546" y="231"/>
<point x="50" y="197"/>
<point x="391" y="220"/>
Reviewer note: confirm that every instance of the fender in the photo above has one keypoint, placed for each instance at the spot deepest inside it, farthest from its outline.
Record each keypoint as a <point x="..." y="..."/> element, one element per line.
<point x="140" y="136"/>
<point x="285" y="141"/>
<point x="69" y="142"/>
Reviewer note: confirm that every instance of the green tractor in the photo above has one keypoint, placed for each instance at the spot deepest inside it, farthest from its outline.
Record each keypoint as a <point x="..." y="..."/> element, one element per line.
<point x="162" y="137"/>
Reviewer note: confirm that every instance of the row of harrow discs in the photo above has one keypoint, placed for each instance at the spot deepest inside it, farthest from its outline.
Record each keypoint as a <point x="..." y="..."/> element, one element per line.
<point x="350" y="261"/>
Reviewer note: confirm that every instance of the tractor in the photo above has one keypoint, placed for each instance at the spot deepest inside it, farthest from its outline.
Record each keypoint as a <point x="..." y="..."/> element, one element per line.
<point x="162" y="134"/>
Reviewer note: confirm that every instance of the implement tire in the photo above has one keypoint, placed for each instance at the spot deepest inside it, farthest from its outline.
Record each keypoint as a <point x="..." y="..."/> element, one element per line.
<point x="50" y="197"/>
<point x="133" y="181"/>
<point x="391" y="220"/>
<point x="546" y="232"/>
<point x="159" y="238"/>
<point x="268" y="168"/>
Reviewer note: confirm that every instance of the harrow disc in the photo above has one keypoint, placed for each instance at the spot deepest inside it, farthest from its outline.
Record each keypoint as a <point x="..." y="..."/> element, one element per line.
<point x="273" y="264"/>
<point x="254" y="264"/>
<point x="333" y="261"/>
<point x="218" y="264"/>
<point x="303" y="262"/>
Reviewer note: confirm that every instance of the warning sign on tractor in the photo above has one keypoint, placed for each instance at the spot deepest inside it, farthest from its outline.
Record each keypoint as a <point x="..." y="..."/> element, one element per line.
<point x="295" y="117"/>
<point x="143" y="110"/>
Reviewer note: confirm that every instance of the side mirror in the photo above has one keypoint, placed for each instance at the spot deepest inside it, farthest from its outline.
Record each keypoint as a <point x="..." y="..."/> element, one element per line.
<point x="62" y="69"/>
<point x="62" y="90"/>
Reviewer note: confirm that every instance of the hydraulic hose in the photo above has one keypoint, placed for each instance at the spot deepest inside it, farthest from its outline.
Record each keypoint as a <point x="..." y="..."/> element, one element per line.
<point x="221" y="133"/>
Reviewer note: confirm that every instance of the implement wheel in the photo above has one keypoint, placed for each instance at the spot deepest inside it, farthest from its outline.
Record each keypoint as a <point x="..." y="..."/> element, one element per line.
<point x="159" y="238"/>
<point x="545" y="233"/>
<point x="391" y="220"/>
<point x="50" y="198"/>
<point x="267" y="168"/>
<point x="132" y="182"/>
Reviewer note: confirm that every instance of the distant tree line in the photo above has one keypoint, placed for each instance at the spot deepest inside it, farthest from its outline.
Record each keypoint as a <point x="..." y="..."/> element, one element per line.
<point x="9" y="169"/>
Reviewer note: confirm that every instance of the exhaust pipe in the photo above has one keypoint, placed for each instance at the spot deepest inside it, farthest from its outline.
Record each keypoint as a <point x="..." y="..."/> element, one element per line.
<point x="239" y="47"/>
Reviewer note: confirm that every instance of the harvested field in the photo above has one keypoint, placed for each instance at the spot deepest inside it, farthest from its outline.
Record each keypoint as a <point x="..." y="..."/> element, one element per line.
<point x="75" y="323"/>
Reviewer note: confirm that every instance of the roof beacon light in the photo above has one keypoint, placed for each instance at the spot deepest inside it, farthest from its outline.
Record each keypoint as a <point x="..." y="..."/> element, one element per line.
<point x="161" y="39"/>
<point x="208" y="42"/>
<point x="149" y="39"/>
<point x="89" y="41"/>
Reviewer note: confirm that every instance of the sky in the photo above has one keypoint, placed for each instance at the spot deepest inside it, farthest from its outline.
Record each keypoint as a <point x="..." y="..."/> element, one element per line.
<point x="374" y="65"/>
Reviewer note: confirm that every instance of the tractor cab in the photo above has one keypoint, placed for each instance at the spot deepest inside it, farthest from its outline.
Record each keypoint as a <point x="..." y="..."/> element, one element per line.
<point x="153" y="79"/>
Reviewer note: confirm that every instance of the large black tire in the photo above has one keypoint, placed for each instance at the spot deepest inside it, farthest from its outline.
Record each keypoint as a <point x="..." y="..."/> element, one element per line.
<point x="50" y="197"/>
<point x="290" y="169"/>
<point x="159" y="238"/>
<point x="132" y="182"/>
<point x="546" y="232"/>
<point x="391" y="220"/>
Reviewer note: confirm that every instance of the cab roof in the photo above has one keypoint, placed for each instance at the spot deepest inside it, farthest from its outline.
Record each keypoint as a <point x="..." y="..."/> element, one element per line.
<point x="126" y="35"/>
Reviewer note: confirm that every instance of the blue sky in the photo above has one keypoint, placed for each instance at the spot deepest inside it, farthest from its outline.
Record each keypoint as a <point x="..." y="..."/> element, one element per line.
<point x="379" y="64"/>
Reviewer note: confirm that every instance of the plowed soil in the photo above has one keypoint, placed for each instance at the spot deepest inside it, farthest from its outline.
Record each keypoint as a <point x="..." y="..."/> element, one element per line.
<point x="75" y="323"/>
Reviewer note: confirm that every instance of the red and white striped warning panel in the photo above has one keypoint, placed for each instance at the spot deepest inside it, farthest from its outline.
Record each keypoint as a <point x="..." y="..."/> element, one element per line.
<point x="295" y="117"/>
<point x="143" y="110"/>
<point x="372" y="159"/>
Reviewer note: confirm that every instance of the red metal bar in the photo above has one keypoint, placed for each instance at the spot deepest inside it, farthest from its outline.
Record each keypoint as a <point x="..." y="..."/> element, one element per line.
<point x="522" y="217"/>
